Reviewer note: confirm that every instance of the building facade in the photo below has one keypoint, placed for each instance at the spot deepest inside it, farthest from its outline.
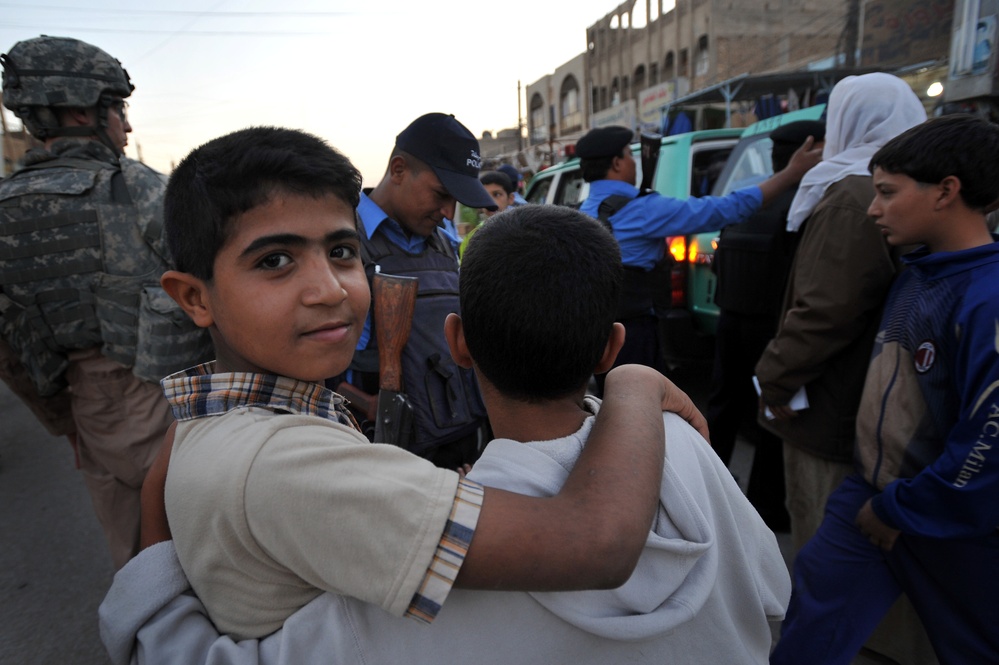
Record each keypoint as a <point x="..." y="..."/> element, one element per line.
<point x="698" y="43"/>
<point x="646" y="53"/>
<point x="557" y="111"/>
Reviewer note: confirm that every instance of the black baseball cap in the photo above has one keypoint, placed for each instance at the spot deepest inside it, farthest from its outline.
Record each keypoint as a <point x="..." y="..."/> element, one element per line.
<point x="604" y="142"/>
<point x="511" y="172"/>
<point x="451" y="151"/>
<point x="788" y="138"/>
<point x="796" y="132"/>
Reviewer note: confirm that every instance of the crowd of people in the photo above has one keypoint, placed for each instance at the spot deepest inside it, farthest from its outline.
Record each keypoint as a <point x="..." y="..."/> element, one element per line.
<point x="194" y="338"/>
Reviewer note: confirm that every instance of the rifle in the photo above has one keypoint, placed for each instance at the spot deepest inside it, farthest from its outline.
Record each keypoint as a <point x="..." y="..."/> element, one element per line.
<point x="364" y="406"/>
<point x="650" y="158"/>
<point x="395" y="301"/>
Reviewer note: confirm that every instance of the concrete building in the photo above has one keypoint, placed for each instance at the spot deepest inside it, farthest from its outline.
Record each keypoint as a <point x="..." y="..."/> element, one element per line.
<point x="644" y="54"/>
<point x="639" y="53"/>
<point x="503" y="142"/>
<point x="557" y="112"/>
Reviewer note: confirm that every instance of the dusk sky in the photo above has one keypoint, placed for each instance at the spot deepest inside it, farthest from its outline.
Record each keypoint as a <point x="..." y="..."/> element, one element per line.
<point x="355" y="73"/>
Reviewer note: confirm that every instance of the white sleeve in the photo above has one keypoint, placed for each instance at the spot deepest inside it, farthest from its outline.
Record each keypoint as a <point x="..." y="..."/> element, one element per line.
<point x="146" y="584"/>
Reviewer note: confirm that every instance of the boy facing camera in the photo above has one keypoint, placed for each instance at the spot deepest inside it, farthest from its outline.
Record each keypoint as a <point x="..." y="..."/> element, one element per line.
<point x="272" y="495"/>
<point x="539" y="291"/>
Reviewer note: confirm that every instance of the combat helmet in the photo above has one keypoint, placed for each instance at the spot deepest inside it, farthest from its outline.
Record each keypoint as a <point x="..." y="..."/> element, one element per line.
<point x="44" y="73"/>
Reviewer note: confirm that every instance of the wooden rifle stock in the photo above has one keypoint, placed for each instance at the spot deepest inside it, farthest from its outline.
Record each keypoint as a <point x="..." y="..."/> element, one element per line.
<point x="365" y="406"/>
<point x="395" y="302"/>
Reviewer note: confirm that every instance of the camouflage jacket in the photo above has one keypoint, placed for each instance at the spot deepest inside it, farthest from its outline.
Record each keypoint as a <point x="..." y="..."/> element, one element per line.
<point x="81" y="254"/>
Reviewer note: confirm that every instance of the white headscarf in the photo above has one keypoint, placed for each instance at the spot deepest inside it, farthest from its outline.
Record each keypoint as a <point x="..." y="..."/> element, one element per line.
<point x="864" y="113"/>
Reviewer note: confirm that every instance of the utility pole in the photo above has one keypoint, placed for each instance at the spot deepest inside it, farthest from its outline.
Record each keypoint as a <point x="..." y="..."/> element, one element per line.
<point x="520" y="122"/>
<point x="851" y="33"/>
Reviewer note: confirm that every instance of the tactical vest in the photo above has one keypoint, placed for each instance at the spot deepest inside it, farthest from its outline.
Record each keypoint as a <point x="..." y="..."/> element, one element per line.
<point x="445" y="398"/>
<point x="641" y="289"/>
<point x="753" y="260"/>
<point x="81" y="254"/>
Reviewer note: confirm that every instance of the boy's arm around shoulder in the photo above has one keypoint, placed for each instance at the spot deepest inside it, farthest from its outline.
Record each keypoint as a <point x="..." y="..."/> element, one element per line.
<point x="145" y="604"/>
<point x="151" y="617"/>
<point x="592" y="532"/>
<point x="588" y="536"/>
<point x="153" y="525"/>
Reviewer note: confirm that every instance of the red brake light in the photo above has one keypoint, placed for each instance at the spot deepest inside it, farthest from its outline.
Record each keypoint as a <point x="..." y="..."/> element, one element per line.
<point x="677" y="248"/>
<point x="692" y="251"/>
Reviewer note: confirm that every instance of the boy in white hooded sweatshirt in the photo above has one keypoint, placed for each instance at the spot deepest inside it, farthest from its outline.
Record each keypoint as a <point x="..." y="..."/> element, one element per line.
<point x="539" y="290"/>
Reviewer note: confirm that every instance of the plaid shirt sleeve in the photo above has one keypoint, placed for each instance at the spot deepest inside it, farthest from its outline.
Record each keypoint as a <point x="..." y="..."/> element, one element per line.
<point x="450" y="554"/>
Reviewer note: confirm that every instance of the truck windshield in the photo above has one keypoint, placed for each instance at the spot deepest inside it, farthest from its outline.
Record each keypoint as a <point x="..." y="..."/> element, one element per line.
<point x="749" y="165"/>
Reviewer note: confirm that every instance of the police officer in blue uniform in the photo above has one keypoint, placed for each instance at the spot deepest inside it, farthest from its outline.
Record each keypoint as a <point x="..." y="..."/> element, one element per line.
<point x="403" y="222"/>
<point x="641" y="221"/>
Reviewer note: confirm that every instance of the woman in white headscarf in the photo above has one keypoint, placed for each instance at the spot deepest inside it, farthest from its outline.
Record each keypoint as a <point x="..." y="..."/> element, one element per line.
<point x="841" y="273"/>
<point x="836" y="289"/>
<point x="863" y="114"/>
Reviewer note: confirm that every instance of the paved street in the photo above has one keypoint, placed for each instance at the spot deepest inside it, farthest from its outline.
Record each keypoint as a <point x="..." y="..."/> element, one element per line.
<point x="54" y="566"/>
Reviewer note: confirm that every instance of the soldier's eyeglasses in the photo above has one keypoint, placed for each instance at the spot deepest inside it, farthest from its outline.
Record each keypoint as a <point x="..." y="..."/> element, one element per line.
<point x="119" y="106"/>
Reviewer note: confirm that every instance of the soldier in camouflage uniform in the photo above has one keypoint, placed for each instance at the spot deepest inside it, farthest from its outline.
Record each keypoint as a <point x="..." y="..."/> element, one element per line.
<point x="87" y="331"/>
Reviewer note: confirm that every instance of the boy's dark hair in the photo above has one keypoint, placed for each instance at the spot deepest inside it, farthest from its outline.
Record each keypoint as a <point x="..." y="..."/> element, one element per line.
<point x="958" y="145"/>
<point x="497" y="178"/>
<point x="539" y="294"/>
<point x="238" y="172"/>
<point x="596" y="168"/>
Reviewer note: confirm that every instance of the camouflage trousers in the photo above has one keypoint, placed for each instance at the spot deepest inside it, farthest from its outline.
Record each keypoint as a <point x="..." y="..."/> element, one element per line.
<point x="120" y="422"/>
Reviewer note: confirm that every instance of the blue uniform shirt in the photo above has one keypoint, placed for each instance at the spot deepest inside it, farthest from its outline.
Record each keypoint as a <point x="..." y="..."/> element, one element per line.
<point x="374" y="218"/>
<point x="641" y="225"/>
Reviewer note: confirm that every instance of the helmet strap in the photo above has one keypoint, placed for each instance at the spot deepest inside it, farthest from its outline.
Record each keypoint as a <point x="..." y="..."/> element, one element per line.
<point x="101" y="130"/>
<point x="71" y="131"/>
<point x="98" y="131"/>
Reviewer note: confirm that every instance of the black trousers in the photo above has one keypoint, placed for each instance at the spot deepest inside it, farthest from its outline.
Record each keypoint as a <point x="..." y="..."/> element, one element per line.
<point x="733" y="405"/>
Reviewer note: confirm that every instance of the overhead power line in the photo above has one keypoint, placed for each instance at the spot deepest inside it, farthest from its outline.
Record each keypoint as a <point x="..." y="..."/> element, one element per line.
<point x="49" y="29"/>
<point x="92" y="11"/>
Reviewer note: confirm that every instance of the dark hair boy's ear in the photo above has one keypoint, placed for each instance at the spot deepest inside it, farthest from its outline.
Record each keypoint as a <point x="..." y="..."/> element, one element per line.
<point x="613" y="347"/>
<point x="454" y="333"/>
<point x="950" y="190"/>
<point x="191" y="294"/>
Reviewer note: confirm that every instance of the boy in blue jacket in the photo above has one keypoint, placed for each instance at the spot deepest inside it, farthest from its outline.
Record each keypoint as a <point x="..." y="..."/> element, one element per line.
<point x="920" y="515"/>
